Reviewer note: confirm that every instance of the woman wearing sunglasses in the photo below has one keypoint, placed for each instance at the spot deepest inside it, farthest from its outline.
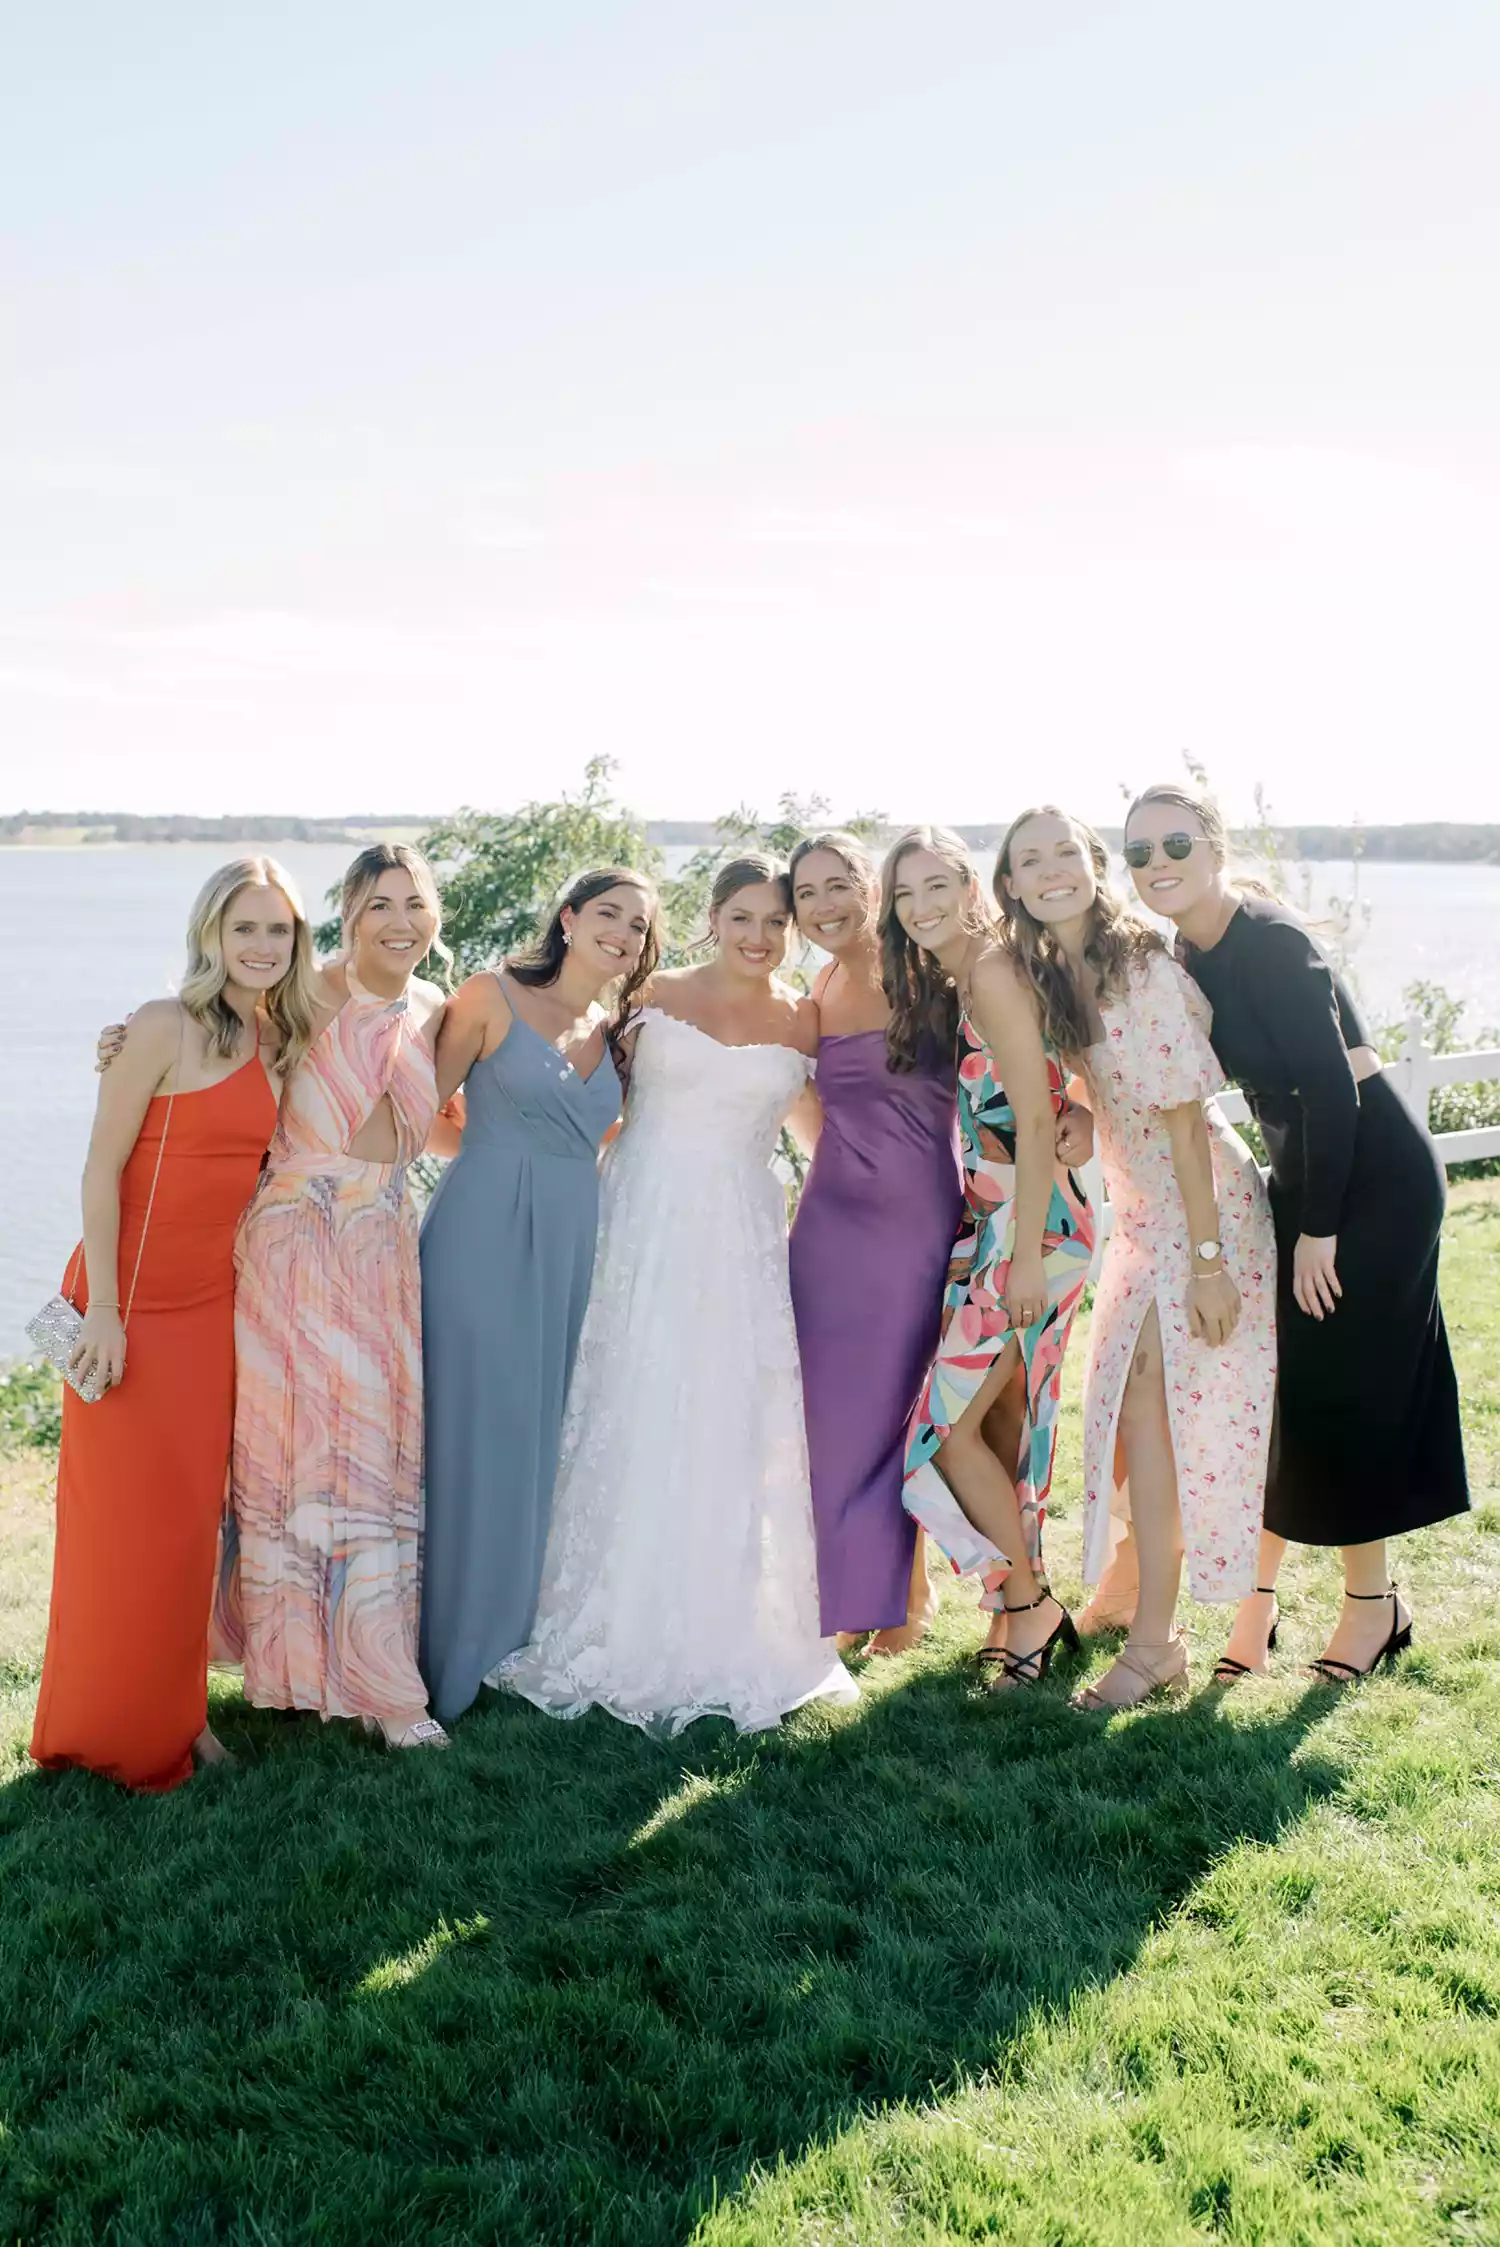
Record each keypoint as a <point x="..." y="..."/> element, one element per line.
<point x="1367" y="1441"/>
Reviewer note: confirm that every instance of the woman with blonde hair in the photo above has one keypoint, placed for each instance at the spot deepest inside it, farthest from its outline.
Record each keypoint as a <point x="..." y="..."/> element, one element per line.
<point x="181" y="1130"/>
<point x="321" y="1563"/>
<point x="1367" y="1441"/>
<point x="1025" y="1241"/>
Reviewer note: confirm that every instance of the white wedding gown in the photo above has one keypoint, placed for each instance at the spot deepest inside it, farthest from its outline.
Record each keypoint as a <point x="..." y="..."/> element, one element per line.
<point x="680" y="1578"/>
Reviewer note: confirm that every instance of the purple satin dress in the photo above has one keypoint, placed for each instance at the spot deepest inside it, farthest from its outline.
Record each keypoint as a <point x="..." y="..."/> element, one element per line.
<point x="869" y="1256"/>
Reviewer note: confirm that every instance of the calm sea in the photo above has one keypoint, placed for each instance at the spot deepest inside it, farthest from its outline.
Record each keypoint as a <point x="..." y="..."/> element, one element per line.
<point x="91" y="933"/>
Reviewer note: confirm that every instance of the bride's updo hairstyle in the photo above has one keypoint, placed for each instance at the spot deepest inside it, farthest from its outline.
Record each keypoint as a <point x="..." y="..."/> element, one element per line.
<point x="921" y="995"/>
<point x="747" y="872"/>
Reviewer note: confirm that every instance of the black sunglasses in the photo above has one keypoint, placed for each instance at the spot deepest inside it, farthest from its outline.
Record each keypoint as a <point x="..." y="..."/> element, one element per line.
<point x="1175" y="846"/>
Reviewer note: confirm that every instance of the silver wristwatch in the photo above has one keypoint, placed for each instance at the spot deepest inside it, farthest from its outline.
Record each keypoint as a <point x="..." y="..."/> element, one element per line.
<point x="1208" y="1252"/>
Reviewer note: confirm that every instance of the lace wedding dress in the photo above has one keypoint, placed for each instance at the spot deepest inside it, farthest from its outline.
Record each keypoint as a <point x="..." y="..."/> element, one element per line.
<point x="680" y="1578"/>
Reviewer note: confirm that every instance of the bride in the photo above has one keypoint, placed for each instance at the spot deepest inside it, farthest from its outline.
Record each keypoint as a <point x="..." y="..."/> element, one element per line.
<point x="680" y="1578"/>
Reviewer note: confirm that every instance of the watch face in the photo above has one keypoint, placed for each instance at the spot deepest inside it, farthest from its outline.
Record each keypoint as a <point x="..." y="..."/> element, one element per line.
<point x="1208" y="1250"/>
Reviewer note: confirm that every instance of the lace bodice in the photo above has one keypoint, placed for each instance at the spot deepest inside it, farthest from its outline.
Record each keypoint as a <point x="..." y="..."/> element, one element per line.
<point x="688" y="1089"/>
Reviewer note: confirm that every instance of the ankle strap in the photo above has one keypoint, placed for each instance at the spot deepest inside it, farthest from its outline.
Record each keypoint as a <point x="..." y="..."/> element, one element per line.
<point x="1268" y="1589"/>
<point x="1388" y="1593"/>
<point x="1040" y="1601"/>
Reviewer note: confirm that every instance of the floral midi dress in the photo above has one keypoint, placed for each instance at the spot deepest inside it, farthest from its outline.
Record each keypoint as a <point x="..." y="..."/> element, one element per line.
<point x="1155" y="1056"/>
<point x="976" y="1324"/>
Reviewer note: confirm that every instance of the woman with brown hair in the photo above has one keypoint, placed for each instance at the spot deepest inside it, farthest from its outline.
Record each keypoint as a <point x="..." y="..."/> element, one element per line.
<point x="507" y="1259"/>
<point x="1367" y="1441"/>
<point x="680" y="1578"/>
<point x="1025" y="1242"/>
<point x="874" y="1227"/>
<point x="184" y="1119"/>
<point x="1182" y="1342"/>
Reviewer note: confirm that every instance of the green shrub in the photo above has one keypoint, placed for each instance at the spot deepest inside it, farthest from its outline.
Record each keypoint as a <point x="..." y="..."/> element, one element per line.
<point x="30" y="1408"/>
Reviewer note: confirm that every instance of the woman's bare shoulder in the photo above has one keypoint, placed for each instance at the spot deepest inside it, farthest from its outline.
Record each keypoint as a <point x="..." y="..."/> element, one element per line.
<point x="998" y="977"/>
<point x="331" y="983"/>
<point x="670" y="988"/>
<point x="155" y="1028"/>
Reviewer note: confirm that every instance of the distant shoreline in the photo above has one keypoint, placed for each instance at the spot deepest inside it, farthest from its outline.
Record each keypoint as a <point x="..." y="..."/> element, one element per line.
<point x="1449" y="843"/>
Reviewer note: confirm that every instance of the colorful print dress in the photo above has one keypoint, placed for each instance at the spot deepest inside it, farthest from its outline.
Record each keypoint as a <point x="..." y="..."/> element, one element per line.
<point x="976" y="1325"/>
<point x="1155" y="1056"/>
<point x="319" y="1572"/>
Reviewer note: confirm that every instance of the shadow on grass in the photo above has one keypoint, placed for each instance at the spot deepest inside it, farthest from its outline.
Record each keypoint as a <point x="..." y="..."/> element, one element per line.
<point x="563" y="1983"/>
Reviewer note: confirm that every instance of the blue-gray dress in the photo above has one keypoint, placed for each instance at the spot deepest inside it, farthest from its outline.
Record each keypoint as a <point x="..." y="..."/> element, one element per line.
<point x="507" y="1258"/>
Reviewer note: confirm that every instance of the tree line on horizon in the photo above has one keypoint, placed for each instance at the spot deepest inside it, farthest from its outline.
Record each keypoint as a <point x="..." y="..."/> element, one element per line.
<point x="1446" y="842"/>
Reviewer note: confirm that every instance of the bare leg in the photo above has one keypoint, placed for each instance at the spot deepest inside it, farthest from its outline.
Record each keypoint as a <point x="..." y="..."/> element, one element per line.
<point x="1256" y="1613"/>
<point x="1004" y="1426"/>
<point x="922" y="1604"/>
<point x="985" y="1488"/>
<point x="209" y="1748"/>
<point x="1152" y="1654"/>
<point x="1152" y="1469"/>
<point x="1366" y="1621"/>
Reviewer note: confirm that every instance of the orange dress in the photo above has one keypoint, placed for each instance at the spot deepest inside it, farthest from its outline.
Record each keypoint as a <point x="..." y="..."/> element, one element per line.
<point x="141" y="1476"/>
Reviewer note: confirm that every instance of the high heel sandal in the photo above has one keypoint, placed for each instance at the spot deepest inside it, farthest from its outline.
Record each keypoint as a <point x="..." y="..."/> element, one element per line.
<point x="1028" y="1669"/>
<point x="423" y="1732"/>
<point x="1227" y="1671"/>
<point x="1134" y="1663"/>
<point x="1334" y="1672"/>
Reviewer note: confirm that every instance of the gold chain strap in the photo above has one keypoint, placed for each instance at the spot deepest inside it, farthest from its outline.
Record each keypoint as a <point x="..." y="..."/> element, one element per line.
<point x="69" y="1285"/>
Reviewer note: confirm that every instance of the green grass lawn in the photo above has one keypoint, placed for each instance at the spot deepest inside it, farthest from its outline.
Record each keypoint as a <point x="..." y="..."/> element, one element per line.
<point x="939" y="1967"/>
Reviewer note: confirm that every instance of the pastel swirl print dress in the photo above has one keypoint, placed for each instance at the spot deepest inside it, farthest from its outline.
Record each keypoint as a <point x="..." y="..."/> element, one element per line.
<point x="319" y="1575"/>
<point x="1156" y="1055"/>
<point x="976" y="1324"/>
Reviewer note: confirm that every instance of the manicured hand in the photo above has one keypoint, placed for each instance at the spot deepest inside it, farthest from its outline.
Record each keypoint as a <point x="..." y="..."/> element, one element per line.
<point x="1315" y="1279"/>
<point x="111" y="1043"/>
<point x="1075" y="1135"/>
<point x="1213" y="1308"/>
<point x="1025" y="1291"/>
<point x="100" y="1347"/>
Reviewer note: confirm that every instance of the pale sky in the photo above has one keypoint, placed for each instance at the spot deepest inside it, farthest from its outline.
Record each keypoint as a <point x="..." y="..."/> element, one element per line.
<point x="935" y="405"/>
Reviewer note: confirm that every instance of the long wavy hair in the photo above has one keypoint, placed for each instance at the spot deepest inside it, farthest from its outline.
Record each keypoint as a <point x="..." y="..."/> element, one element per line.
<point x="542" y="960"/>
<point x="362" y="878"/>
<point x="1215" y="833"/>
<point x="289" y="1005"/>
<point x="1116" y="939"/>
<point x="922" y="996"/>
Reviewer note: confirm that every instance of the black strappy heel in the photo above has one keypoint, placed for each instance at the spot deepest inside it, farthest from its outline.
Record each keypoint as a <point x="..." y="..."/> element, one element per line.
<point x="1227" y="1671"/>
<point x="1335" y="1672"/>
<point x="1029" y="1669"/>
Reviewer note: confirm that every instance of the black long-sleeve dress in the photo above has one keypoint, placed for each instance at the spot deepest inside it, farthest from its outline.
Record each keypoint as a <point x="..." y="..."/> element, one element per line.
<point x="1367" y="1440"/>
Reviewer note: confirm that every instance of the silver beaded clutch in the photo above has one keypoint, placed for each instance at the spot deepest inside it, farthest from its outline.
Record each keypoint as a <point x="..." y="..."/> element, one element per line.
<point x="54" y="1334"/>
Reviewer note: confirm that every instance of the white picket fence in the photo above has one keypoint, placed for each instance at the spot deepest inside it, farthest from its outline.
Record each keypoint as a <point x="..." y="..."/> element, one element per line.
<point x="1416" y="1075"/>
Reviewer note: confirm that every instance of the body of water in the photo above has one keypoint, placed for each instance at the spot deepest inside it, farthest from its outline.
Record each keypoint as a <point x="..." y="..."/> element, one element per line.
<point x="90" y="933"/>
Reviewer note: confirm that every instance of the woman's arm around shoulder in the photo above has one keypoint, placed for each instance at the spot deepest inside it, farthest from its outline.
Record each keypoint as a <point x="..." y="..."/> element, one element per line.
<point x="471" y="1024"/>
<point x="804" y="1025"/>
<point x="143" y="1066"/>
<point x="1003" y="1008"/>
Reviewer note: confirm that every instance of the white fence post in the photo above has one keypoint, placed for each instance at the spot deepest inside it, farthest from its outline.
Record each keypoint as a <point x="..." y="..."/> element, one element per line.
<point x="1413" y="1073"/>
